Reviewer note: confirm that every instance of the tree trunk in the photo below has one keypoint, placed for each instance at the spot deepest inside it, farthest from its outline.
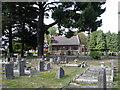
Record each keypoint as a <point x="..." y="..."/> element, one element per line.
<point x="10" y="42"/>
<point x="22" y="39"/>
<point x="40" y="31"/>
<point x="40" y="41"/>
<point x="22" y="48"/>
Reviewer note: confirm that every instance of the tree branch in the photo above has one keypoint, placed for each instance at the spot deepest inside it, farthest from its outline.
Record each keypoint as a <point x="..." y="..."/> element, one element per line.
<point x="43" y="3"/>
<point x="49" y="4"/>
<point x="49" y="8"/>
<point x="50" y="25"/>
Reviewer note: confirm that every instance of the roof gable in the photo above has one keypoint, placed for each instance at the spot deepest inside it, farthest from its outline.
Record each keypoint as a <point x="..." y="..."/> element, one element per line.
<point x="62" y="40"/>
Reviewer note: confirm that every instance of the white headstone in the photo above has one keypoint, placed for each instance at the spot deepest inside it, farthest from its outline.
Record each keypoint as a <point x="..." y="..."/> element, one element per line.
<point x="51" y="59"/>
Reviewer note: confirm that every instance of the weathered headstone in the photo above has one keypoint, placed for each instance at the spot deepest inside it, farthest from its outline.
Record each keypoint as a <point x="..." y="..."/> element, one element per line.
<point x="42" y="57"/>
<point x="66" y="59"/>
<point x="112" y="64"/>
<point x="112" y="68"/>
<point x="8" y="59"/>
<point x="41" y="66"/>
<point x="14" y="59"/>
<point x="55" y="57"/>
<point x="51" y="59"/>
<point x="21" y="67"/>
<point x="102" y="78"/>
<point x="102" y="64"/>
<point x="75" y="61"/>
<point x="60" y="73"/>
<point x="19" y="58"/>
<point x="9" y="71"/>
<point x="47" y="66"/>
<point x="58" y="59"/>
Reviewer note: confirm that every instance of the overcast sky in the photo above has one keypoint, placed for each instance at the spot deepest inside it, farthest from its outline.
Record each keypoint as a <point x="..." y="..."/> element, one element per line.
<point x="109" y="17"/>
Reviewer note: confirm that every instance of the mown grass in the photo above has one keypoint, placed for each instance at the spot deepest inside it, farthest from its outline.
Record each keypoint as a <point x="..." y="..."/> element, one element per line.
<point x="44" y="78"/>
<point x="48" y="79"/>
<point x="116" y="80"/>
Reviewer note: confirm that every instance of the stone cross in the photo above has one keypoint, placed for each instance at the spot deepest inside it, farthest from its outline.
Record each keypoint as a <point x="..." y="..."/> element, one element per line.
<point x="102" y="79"/>
<point x="9" y="71"/>
<point x="60" y="73"/>
<point x="21" y="67"/>
<point x="41" y="66"/>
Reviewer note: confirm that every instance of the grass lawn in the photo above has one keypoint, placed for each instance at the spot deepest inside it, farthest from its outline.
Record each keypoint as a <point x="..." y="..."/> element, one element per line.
<point x="48" y="79"/>
<point x="116" y="78"/>
<point x="44" y="78"/>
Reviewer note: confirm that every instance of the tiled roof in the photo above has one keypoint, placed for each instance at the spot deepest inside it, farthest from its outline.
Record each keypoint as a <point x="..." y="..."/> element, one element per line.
<point x="62" y="40"/>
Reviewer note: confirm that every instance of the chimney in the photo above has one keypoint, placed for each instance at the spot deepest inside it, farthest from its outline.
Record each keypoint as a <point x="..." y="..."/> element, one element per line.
<point x="52" y="40"/>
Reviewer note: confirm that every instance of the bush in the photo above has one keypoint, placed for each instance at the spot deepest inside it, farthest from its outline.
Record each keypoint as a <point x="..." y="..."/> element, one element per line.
<point x="95" y="55"/>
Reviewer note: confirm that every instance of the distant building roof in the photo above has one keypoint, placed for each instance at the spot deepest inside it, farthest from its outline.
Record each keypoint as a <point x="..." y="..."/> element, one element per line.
<point x="62" y="40"/>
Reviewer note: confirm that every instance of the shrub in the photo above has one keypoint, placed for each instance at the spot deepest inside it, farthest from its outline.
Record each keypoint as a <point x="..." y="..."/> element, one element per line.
<point x="95" y="55"/>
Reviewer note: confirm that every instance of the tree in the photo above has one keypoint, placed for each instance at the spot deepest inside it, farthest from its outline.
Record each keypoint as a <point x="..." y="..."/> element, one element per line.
<point x="114" y="43"/>
<point x="7" y="25"/>
<point x="91" y="45"/>
<point x="52" y="31"/>
<point x="82" y="38"/>
<point x="65" y="15"/>
<point x="100" y="40"/>
<point x="19" y="15"/>
<point x="108" y="40"/>
<point x="118" y="41"/>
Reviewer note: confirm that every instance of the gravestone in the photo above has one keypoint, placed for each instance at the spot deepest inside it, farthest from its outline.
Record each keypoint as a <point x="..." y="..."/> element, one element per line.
<point x="102" y="64"/>
<point x="41" y="66"/>
<point x="55" y="58"/>
<point x="75" y="61"/>
<point x="8" y="59"/>
<point x="66" y="59"/>
<point x="47" y="66"/>
<point x="9" y="71"/>
<point x="112" y="65"/>
<point x="102" y="78"/>
<point x="13" y="59"/>
<point x="60" y="73"/>
<point x="51" y="59"/>
<point x="112" y="68"/>
<point x="58" y="59"/>
<point x="21" y="67"/>
<point x="42" y="57"/>
<point x="19" y="58"/>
